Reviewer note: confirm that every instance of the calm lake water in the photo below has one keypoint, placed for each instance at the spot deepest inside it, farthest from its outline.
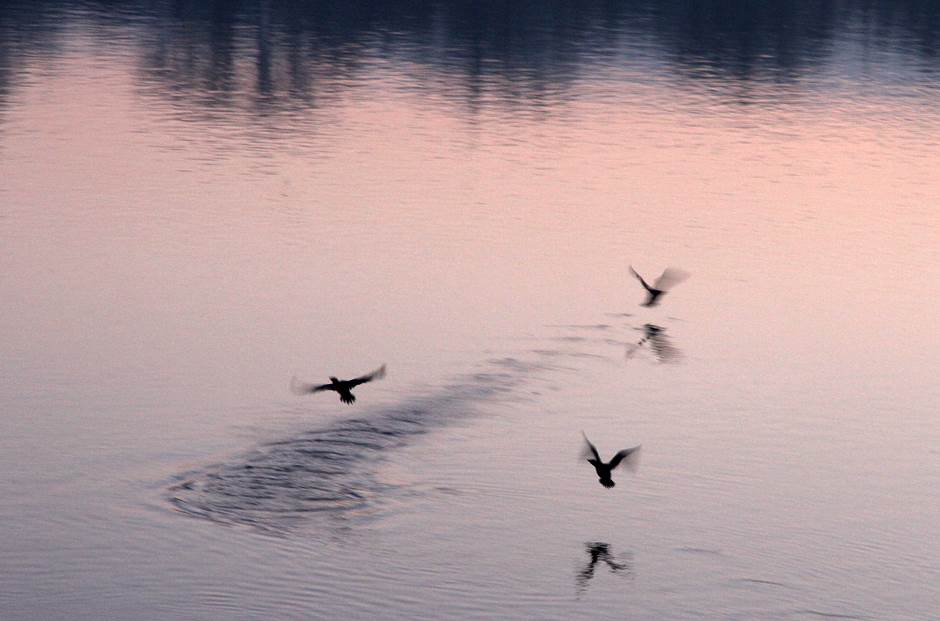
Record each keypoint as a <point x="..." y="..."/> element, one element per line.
<point x="201" y="200"/>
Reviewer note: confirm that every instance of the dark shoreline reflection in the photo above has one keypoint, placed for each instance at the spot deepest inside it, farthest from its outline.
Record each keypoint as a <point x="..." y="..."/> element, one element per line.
<point x="261" y="56"/>
<point x="600" y="552"/>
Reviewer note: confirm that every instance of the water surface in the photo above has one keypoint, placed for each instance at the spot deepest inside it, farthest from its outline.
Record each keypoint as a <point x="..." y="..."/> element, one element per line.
<point x="200" y="200"/>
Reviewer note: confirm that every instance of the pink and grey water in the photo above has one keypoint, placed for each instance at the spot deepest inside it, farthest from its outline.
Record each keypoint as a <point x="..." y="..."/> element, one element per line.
<point x="200" y="201"/>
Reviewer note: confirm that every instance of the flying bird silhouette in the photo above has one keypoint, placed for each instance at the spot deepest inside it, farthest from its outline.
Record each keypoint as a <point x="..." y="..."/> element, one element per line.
<point x="628" y="457"/>
<point x="343" y="387"/>
<point x="669" y="278"/>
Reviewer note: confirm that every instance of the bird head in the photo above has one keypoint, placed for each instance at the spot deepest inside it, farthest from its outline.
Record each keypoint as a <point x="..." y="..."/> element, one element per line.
<point x="334" y="380"/>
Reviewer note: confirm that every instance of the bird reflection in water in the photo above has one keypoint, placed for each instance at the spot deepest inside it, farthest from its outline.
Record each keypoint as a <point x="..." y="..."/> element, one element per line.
<point x="600" y="552"/>
<point x="659" y="343"/>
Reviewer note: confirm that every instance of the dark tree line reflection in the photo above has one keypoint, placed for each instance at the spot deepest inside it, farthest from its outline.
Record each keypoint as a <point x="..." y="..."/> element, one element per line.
<point x="264" y="55"/>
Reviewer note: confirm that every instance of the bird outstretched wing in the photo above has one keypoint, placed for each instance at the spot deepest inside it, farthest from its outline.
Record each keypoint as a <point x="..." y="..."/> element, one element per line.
<point x="628" y="458"/>
<point x="377" y="374"/>
<point x="302" y="388"/>
<point x="671" y="277"/>
<point x="640" y="278"/>
<point x="588" y="451"/>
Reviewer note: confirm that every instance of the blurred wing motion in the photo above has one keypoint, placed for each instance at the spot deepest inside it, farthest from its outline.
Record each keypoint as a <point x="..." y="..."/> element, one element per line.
<point x="302" y="388"/>
<point x="628" y="458"/>
<point x="588" y="451"/>
<point x="671" y="277"/>
<point x="377" y="374"/>
<point x="640" y="278"/>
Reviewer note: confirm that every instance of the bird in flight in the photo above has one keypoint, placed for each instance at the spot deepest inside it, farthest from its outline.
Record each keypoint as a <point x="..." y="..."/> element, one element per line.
<point x="343" y="387"/>
<point x="629" y="458"/>
<point x="669" y="278"/>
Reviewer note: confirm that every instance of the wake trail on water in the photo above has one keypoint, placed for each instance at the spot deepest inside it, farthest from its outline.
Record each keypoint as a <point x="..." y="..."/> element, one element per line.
<point x="332" y="469"/>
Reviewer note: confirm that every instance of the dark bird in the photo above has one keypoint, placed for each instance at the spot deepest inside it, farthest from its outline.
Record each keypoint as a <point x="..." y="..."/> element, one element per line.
<point x="599" y="552"/>
<point x="669" y="278"/>
<point x="343" y="387"/>
<point x="630" y="459"/>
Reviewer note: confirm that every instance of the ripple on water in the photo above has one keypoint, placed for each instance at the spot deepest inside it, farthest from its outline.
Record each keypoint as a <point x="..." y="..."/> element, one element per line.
<point x="830" y="615"/>
<point x="333" y="469"/>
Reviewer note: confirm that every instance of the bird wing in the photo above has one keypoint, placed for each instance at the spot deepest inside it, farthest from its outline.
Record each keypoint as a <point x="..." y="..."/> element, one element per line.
<point x="377" y="374"/>
<point x="302" y="388"/>
<point x="629" y="457"/>
<point x="588" y="451"/>
<point x="671" y="277"/>
<point x="640" y="278"/>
